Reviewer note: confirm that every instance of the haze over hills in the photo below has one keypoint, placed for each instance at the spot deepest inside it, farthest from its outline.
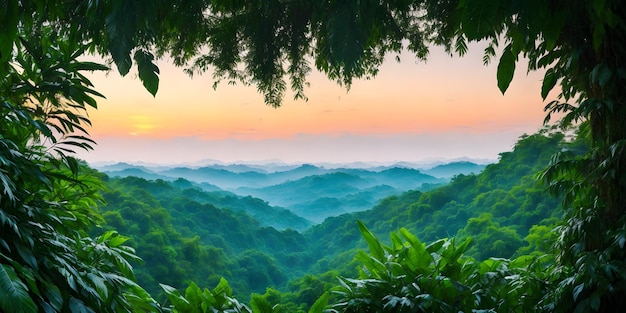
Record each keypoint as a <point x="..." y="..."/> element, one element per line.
<point x="184" y="232"/>
<point x="313" y="192"/>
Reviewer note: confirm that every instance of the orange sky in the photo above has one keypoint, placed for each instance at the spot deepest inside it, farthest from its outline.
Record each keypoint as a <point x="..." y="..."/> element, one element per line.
<point x="443" y="96"/>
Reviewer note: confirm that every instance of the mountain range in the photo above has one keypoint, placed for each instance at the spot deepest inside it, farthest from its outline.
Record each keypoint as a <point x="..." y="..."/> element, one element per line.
<point x="312" y="192"/>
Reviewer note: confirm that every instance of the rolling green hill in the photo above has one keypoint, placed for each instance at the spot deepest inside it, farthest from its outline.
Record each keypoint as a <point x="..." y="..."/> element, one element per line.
<point x="185" y="233"/>
<point x="498" y="208"/>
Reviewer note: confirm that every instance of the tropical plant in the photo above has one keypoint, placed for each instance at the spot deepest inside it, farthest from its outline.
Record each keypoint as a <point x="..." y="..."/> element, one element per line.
<point x="411" y="276"/>
<point x="220" y="299"/>
<point x="48" y="198"/>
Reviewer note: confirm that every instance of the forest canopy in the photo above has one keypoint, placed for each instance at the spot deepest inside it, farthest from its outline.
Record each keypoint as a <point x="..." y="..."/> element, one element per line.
<point x="50" y="263"/>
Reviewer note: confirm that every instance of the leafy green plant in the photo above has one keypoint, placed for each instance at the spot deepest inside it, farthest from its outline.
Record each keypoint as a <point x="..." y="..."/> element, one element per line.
<point x="220" y="299"/>
<point x="410" y="276"/>
<point x="197" y="300"/>
<point x="47" y="205"/>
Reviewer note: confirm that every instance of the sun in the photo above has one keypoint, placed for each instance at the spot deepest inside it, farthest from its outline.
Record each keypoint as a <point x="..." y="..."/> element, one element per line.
<point x="142" y="125"/>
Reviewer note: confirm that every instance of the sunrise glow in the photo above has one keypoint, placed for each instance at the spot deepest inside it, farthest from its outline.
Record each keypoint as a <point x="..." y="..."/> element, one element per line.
<point x="442" y="96"/>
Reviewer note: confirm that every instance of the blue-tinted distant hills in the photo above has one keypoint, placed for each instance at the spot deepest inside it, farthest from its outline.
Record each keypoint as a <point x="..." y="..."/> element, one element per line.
<point x="311" y="191"/>
<point x="137" y="172"/>
<point x="450" y="170"/>
<point x="317" y="197"/>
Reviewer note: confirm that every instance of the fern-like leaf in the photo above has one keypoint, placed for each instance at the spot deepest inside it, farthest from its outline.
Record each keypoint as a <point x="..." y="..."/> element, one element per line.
<point x="14" y="295"/>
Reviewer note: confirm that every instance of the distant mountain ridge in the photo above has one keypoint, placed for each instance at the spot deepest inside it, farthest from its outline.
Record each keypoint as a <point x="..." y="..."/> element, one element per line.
<point x="310" y="191"/>
<point x="277" y="173"/>
<point x="452" y="169"/>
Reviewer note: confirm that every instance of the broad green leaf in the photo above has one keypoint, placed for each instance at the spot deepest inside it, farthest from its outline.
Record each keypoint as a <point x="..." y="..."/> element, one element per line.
<point x="89" y="66"/>
<point x="78" y="306"/>
<point x="14" y="295"/>
<point x="599" y="33"/>
<point x="435" y="246"/>
<point x="53" y="294"/>
<point x="319" y="304"/>
<point x="193" y="294"/>
<point x="549" y="80"/>
<point x="260" y="304"/>
<point x="601" y="74"/>
<point x="27" y="255"/>
<point x="396" y="242"/>
<point x="418" y="255"/>
<point x="598" y="7"/>
<point x="223" y="288"/>
<point x="506" y="69"/>
<point x="577" y="290"/>
<point x="140" y="300"/>
<point x="117" y="241"/>
<point x="523" y="261"/>
<point x="373" y="264"/>
<point x="376" y="248"/>
<point x="594" y="301"/>
<point x="148" y="71"/>
<point x="99" y="285"/>
<point x="175" y="297"/>
<point x="462" y="248"/>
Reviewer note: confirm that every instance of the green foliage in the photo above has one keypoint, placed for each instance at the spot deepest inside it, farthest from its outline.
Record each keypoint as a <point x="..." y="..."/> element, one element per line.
<point x="507" y="192"/>
<point x="47" y="205"/>
<point x="197" y="300"/>
<point x="410" y="276"/>
<point x="491" y="239"/>
<point x="506" y="69"/>
<point x="182" y="240"/>
<point x="148" y="71"/>
<point x="590" y="244"/>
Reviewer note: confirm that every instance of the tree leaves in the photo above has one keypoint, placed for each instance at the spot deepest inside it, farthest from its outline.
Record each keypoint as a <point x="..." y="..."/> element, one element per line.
<point x="47" y="262"/>
<point x="14" y="295"/>
<point x="258" y="304"/>
<point x="217" y="300"/>
<point x="372" y="242"/>
<point x="437" y="278"/>
<point x="506" y="68"/>
<point x="479" y="17"/>
<point x="148" y="71"/>
<point x="549" y="81"/>
<point x="9" y="18"/>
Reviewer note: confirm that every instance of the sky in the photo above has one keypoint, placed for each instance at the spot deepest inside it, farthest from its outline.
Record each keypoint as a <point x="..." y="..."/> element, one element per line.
<point x="447" y="108"/>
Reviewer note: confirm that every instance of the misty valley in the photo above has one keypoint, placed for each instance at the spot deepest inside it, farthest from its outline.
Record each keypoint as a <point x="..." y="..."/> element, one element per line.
<point x="286" y="234"/>
<point x="307" y="191"/>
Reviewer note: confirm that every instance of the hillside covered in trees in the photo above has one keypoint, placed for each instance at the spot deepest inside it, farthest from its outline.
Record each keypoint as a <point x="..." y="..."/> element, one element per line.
<point x="184" y="233"/>
<point x="313" y="192"/>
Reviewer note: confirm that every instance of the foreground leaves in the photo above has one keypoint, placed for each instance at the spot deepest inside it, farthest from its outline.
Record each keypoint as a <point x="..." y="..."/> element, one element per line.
<point x="48" y="262"/>
<point x="410" y="276"/>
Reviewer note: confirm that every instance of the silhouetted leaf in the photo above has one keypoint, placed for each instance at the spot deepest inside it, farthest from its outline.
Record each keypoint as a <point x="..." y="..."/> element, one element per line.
<point x="506" y="69"/>
<point x="549" y="80"/>
<point x="148" y="71"/>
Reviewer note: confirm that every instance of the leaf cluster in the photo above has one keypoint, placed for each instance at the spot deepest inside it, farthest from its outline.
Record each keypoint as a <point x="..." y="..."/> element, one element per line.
<point x="410" y="276"/>
<point x="47" y="203"/>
